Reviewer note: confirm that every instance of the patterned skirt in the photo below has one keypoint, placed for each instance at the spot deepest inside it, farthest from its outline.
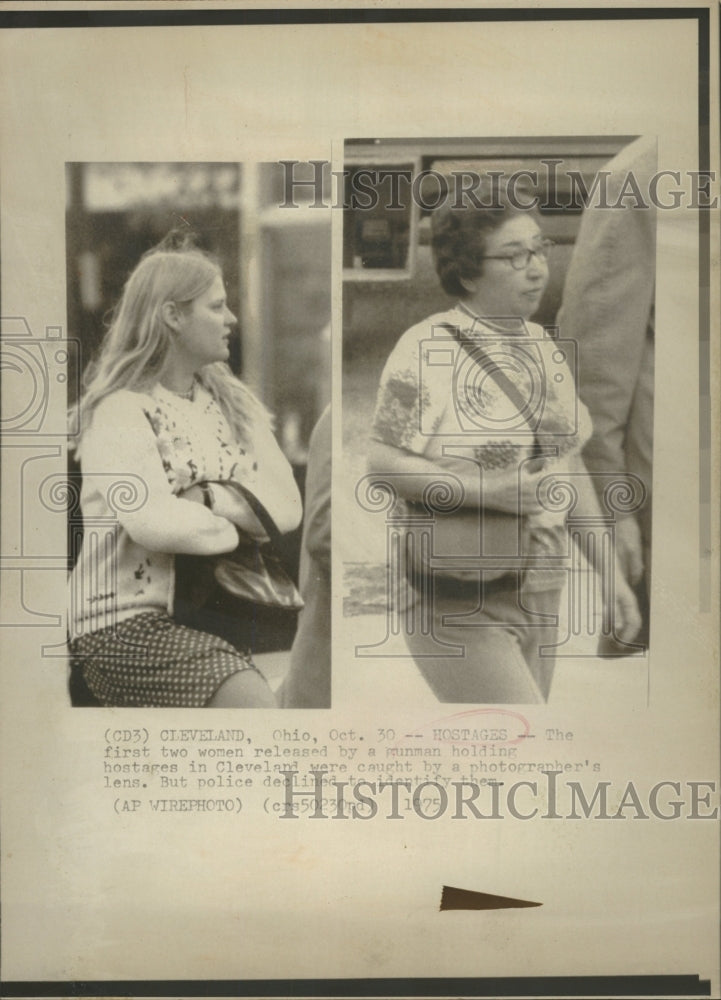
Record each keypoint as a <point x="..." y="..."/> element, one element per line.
<point x="150" y="661"/>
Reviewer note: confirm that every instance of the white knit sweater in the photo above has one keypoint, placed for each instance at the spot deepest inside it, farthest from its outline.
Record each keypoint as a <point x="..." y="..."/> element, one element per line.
<point x="139" y="453"/>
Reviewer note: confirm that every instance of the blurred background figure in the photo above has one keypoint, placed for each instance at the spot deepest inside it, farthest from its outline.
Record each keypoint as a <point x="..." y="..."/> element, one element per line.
<point x="308" y="682"/>
<point x="607" y="309"/>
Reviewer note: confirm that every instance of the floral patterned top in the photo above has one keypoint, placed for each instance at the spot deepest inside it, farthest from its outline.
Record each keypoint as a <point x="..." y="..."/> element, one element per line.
<point x="194" y="440"/>
<point x="435" y="400"/>
<point x="434" y="394"/>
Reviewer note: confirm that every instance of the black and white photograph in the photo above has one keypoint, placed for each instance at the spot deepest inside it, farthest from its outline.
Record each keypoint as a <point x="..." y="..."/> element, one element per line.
<point x="185" y="287"/>
<point x="513" y="423"/>
<point x="360" y="381"/>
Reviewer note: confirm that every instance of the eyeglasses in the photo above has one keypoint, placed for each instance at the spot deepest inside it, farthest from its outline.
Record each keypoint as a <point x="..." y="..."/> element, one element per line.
<point x="520" y="259"/>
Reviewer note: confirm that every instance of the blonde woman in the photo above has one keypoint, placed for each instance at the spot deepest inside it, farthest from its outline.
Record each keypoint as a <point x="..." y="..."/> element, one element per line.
<point x="162" y="412"/>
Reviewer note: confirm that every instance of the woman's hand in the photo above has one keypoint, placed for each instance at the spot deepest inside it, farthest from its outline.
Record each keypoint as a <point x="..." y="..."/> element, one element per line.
<point x="513" y="494"/>
<point x="228" y="503"/>
<point x="626" y="618"/>
<point x="193" y="493"/>
<point x="629" y="548"/>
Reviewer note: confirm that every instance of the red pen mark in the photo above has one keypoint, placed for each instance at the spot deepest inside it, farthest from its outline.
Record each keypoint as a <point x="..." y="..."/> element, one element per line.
<point x="467" y="899"/>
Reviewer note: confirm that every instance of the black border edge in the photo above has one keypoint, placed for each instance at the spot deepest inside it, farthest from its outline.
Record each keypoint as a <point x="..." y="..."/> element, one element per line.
<point x="328" y="15"/>
<point x="550" y="986"/>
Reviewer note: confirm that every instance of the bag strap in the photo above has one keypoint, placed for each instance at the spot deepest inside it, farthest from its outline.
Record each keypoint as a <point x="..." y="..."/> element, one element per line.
<point x="266" y="521"/>
<point x="479" y="355"/>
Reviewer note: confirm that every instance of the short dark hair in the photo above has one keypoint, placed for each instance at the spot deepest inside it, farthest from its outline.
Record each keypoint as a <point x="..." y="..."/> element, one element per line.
<point x="458" y="237"/>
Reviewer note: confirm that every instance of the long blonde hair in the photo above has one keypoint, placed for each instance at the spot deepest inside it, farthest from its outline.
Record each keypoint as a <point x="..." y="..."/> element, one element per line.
<point x="138" y="341"/>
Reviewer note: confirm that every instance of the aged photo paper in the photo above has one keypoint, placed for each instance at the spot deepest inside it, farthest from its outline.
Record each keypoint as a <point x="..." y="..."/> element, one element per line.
<point x="378" y="837"/>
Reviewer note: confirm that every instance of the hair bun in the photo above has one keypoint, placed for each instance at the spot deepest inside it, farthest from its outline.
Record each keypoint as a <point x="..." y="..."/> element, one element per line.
<point x="177" y="241"/>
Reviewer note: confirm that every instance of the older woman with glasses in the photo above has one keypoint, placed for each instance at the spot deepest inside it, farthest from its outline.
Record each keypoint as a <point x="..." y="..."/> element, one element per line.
<point x="481" y="403"/>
